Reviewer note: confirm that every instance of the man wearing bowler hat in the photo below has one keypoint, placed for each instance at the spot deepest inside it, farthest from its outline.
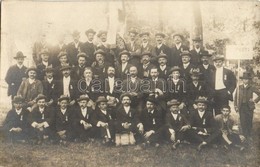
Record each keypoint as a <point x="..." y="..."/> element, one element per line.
<point x="83" y="120"/>
<point x="178" y="47"/>
<point x="77" y="71"/>
<point x="89" y="47"/>
<point x="30" y="88"/>
<point x="163" y="68"/>
<point x="223" y="82"/>
<point x="63" y="120"/>
<point x="74" y="48"/>
<point x="103" y="119"/>
<point x="245" y="103"/>
<point x="206" y="68"/>
<point x="42" y="120"/>
<point x="49" y="87"/>
<point x="16" y="122"/>
<point x="203" y="128"/>
<point x="145" y="45"/>
<point x="123" y="69"/>
<point x="66" y="85"/>
<point x="146" y="65"/>
<point x="15" y="74"/>
<point x="176" y="124"/>
<point x="160" y="46"/>
<point x="186" y="66"/>
<point x="100" y="64"/>
<point x="196" y="51"/>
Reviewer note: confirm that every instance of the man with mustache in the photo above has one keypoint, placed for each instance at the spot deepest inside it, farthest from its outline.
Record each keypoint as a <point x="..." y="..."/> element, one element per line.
<point x="163" y="67"/>
<point x="196" y="52"/>
<point x="45" y="62"/>
<point x="206" y="68"/>
<point x="145" y="45"/>
<point x="123" y="69"/>
<point x="133" y="47"/>
<point x="100" y="65"/>
<point x="77" y="71"/>
<point x="74" y="48"/>
<point x="146" y="65"/>
<point x="89" y="47"/>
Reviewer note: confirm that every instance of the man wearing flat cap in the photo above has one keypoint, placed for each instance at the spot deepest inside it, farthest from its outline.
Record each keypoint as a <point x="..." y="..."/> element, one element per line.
<point x="160" y="46"/>
<point x="67" y="85"/>
<point x="16" y="122"/>
<point x="45" y="62"/>
<point x="42" y="120"/>
<point x="178" y="47"/>
<point x="223" y="81"/>
<point x="74" y="48"/>
<point x="30" y="88"/>
<point x="15" y="74"/>
<point x="203" y="128"/>
<point x="196" y="52"/>
<point x="83" y="120"/>
<point x="89" y="47"/>
<point x="245" y="103"/>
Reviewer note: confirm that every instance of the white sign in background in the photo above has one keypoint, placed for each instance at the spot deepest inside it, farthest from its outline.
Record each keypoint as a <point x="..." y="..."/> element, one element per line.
<point x="239" y="52"/>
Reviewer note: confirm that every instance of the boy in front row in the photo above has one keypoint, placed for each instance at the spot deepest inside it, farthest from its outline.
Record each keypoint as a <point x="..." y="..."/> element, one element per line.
<point x="229" y="131"/>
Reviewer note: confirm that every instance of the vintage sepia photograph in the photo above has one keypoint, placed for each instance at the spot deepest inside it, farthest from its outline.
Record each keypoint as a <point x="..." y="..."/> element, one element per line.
<point x="129" y="83"/>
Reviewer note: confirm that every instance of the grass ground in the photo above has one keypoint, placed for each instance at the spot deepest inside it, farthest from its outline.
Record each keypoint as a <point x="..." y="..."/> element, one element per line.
<point x="95" y="154"/>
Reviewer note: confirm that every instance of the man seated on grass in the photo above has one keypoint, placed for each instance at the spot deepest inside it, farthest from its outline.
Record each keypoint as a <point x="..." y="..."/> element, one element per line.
<point x="127" y="119"/>
<point x="229" y="130"/>
<point x="16" y="122"/>
<point x="176" y="124"/>
<point x="41" y="120"/>
<point x="103" y="120"/>
<point x="63" y="120"/>
<point x="203" y="128"/>
<point x="82" y="120"/>
<point x="152" y="121"/>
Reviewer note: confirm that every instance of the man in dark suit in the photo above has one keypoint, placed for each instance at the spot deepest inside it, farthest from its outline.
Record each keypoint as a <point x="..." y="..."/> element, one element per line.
<point x="112" y="88"/>
<point x="245" y="104"/>
<point x="186" y="66"/>
<point x="224" y="84"/>
<point x="74" y="48"/>
<point x="152" y="122"/>
<point x="38" y="46"/>
<point x="127" y="118"/>
<point x="160" y="46"/>
<point x="82" y="121"/>
<point x="175" y="58"/>
<point x="66" y="85"/>
<point x="42" y="120"/>
<point x="77" y="71"/>
<point x="100" y="64"/>
<point x="16" y="122"/>
<point x="145" y="45"/>
<point x="56" y="49"/>
<point x="63" y="120"/>
<point x="104" y="121"/>
<point x="196" y="51"/>
<point x="206" y="68"/>
<point x="146" y="65"/>
<point x="176" y="124"/>
<point x="49" y="87"/>
<point x="123" y="68"/>
<point x="89" y="47"/>
<point x="45" y="62"/>
<point x="203" y="128"/>
<point x="133" y="47"/>
<point x="163" y="67"/>
<point x="15" y="75"/>
<point x="109" y="54"/>
<point x="176" y="87"/>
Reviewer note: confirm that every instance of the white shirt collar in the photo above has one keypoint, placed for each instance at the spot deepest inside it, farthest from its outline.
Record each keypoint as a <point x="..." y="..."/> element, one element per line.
<point x="18" y="111"/>
<point x="206" y="66"/>
<point x="174" y="116"/>
<point x="45" y="63"/>
<point x="127" y="109"/>
<point x="159" y="46"/>
<point x="151" y="112"/>
<point x="145" y="44"/>
<point x="104" y="112"/>
<point x="31" y="80"/>
<point x="186" y="65"/>
<point x="163" y="67"/>
<point x="41" y="109"/>
<point x="197" y="50"/>
<point x="66" y="78"/>
<point x="49" y="80"/>
<point x="178" y="46"/>
<point x="175" y="80"/>
<point x="19" y="66"/>
<point x="201" y="113"/>
<point x="63" y="111"/>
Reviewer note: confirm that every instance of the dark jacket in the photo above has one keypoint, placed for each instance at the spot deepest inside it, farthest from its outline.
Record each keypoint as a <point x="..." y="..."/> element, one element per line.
<point x="13" y="120"/>
<point x="151" y="121"/>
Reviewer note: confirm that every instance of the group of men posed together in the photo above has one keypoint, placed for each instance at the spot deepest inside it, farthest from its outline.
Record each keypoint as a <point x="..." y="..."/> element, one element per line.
<point x="152" y="93"/>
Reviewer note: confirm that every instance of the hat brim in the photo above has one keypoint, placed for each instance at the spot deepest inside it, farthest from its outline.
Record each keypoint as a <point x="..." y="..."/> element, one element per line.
<point x="64" y="98"/>
<point x="83" y="98"/>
